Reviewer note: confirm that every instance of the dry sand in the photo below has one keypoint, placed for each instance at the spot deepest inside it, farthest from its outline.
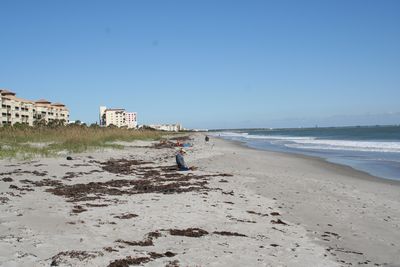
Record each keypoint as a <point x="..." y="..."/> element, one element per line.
<point x="242" y="207"/>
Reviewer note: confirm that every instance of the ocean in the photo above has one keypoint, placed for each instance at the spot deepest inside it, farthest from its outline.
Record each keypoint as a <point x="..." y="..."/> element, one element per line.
<point x="375" y="150"/>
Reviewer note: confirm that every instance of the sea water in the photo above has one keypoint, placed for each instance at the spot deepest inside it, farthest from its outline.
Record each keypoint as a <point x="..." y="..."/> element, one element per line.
<point x="375" y="150"/>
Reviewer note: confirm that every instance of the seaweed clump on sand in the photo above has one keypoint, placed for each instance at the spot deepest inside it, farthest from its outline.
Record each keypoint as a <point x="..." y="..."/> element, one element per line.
<point x="148" y="179"/>
<point x="126" y="262"/>
<point x="278" y="221"/>
<point x="226" y="233"/>
<point x="95" y="190"/>
<point x="41" y="183"/>
<point x="146" y="242"/>
<point x="20" y="171"/>
<point x="78" y="209"/>
<point x="143" y="243"/>
<point x="190" y="232"/>
<point x="257" y="213"/>
<point x="156" y="255"/>
<point x="122" y="166"/>
<point x="79" y="255"/>
<point x="129" y="261"/>
<point x="126" y="216"/>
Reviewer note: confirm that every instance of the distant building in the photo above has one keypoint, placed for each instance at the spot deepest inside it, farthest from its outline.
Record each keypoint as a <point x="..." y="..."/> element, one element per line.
<point x="117" y="117"/>
<point x="77" y="122"/>
<point x="17" y="110"/>
<point x="167" y="127"/>
<point x="198" y="130"/>
<point x="131" y="119"/>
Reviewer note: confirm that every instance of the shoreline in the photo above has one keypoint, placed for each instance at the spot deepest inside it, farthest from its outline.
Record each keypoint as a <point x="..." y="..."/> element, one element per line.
<point x="375" y="151"/>
<point x="359" y="174"/>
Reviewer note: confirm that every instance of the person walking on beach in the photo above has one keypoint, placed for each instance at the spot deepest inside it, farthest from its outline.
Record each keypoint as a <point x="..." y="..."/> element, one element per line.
<point x="180" y="161"/>
<point x="207" y="139"/>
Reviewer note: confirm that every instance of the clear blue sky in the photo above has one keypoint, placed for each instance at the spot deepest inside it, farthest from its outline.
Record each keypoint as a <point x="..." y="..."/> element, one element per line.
<point x="208" y="64"/>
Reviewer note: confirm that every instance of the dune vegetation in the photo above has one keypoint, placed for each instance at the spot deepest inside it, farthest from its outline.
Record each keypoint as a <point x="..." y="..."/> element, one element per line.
<point x="27" y="142"/>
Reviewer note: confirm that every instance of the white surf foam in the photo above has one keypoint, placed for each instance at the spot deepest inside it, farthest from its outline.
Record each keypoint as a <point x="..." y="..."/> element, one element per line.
<point x="366" y="146"/>
<point x="326" y="144"/>
<point x="265" y="137"/>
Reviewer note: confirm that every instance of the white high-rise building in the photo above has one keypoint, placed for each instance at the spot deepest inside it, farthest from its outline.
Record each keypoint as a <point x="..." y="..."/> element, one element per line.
<point x="117" y="117"/>
<point x="130" y="118"/>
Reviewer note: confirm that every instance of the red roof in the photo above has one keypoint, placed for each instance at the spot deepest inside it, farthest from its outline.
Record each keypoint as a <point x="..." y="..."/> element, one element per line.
<point x="42" y="101"/>
<point x="58" y="104"/>
<point x="6" y="92"/>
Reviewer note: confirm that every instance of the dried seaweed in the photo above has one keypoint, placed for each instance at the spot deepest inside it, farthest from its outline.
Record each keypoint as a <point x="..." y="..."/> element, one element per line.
<point x="110" y="249"/>
<point x="257" y="213"/>
<point x="190" y="232"/>
<point x="20" y="171"/>
<point x="78" y="209"/>
<point x="278" y="221"/>
<point x="129" y="261"/>
<point x="4" y="200"/>
<point x="126" y="216"/>
<point x="80" y="255"/>
<point x="146" y="242"/>
<point x="122" y="166"/>
<point x="225" y="233"/>
<point x="174" y="263"/>
<point x="159" y="179"/>
<point x="143" y="243"/>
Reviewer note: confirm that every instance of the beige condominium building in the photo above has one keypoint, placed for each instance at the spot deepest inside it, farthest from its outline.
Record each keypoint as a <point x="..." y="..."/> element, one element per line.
<point x="19" y="110"/>
<point x="117" y="117"/>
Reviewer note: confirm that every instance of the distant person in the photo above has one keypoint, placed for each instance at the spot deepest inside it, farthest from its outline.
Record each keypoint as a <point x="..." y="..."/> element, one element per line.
<point x="187" y="145"/>
<point x="180" y="161"/>
<point x="207" y="139"/>
<point x="178" y="143"/>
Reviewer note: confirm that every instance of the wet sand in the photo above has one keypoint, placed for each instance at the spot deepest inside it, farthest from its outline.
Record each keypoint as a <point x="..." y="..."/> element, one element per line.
<point x="242" y="207"/>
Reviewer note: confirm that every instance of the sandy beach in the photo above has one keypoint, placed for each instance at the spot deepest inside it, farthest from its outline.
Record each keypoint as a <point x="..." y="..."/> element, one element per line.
<point x="241" y="207"/>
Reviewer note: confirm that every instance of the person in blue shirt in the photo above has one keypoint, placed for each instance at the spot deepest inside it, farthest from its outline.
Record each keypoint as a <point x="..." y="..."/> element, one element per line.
<point x="180" y="161"/>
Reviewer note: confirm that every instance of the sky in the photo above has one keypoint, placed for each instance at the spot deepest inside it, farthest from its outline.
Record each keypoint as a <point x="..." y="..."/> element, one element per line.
<point x="208" y="64"/>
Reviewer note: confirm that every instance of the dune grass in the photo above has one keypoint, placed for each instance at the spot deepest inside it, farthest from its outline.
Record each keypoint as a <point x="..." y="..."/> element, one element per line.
<point x="29" y="142"/>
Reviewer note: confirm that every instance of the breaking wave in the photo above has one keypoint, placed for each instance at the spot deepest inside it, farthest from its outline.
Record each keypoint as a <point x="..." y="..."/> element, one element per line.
<point x="319" y="144"/>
